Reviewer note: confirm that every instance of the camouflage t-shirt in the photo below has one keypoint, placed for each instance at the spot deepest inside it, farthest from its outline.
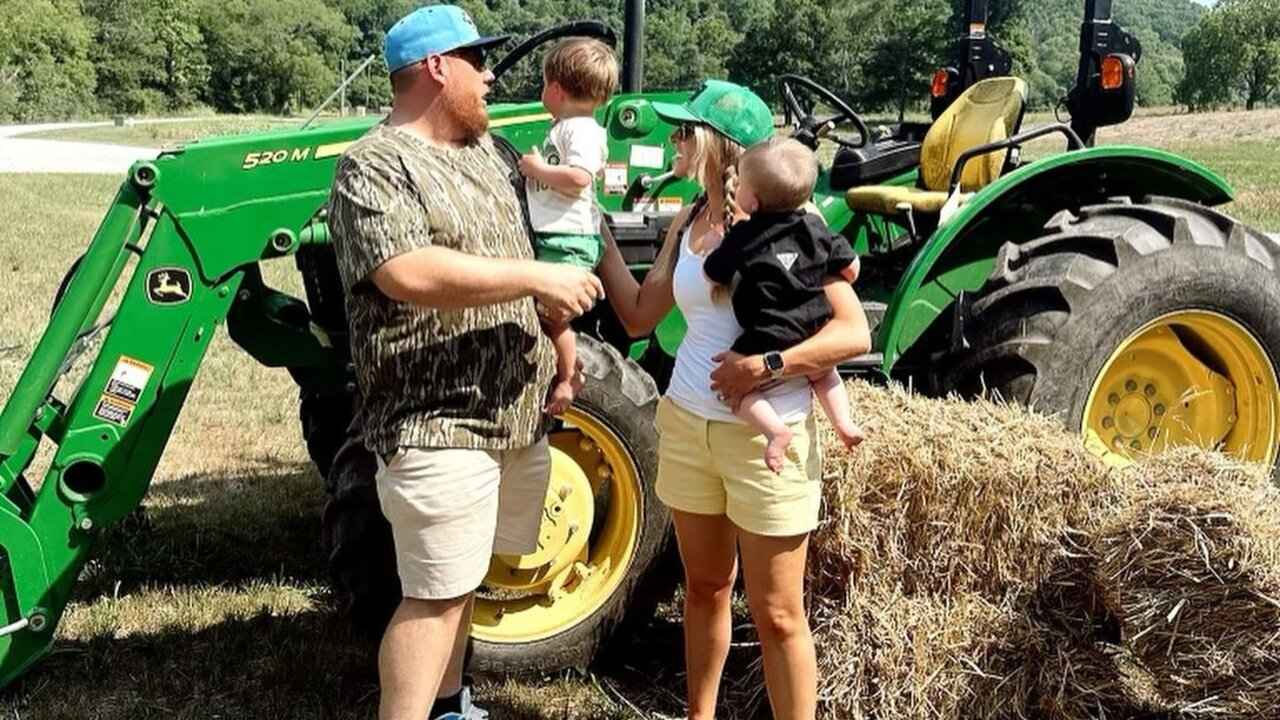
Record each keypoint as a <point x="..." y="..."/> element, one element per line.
<point x="471" y="378"/>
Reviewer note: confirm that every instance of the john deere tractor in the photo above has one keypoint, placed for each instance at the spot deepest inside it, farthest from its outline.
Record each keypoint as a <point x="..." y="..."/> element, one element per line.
<point x="1099" y="284"/>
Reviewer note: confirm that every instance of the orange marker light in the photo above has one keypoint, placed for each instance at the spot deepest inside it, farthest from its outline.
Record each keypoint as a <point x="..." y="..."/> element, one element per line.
<point x="1112" y="73"/>
<point x="939" y="88"/>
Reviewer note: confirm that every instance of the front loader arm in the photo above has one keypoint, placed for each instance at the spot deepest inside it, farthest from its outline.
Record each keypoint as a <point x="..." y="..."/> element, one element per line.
<point x="185" y="234"/>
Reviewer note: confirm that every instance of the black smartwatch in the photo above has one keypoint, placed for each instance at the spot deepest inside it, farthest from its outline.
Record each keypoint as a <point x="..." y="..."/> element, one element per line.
<point x="773" y="364"/>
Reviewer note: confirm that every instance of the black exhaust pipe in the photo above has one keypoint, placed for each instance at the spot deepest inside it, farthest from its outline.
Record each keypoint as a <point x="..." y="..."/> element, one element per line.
<point x="633" y="48"/>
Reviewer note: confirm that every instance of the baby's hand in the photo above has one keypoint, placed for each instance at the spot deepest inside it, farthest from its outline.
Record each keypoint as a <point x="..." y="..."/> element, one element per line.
<point x="531" y="162"/>
<point x="560" y="398"/>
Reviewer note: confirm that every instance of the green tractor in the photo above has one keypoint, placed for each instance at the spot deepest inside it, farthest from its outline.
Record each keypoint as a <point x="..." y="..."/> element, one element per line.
<point x="1099" y="284"/>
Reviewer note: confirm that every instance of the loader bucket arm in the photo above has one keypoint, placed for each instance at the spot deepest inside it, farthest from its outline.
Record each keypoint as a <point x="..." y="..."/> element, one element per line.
<point x="185" y="236"/>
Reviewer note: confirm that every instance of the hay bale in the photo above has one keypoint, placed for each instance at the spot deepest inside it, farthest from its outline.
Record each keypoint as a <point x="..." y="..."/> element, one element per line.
<point x="1192" y="574"/>
<point x="975" y="561"/>
<point x="889" y="655"/>
<point x="951" y="497"/>
<point x="1086" y="681"/>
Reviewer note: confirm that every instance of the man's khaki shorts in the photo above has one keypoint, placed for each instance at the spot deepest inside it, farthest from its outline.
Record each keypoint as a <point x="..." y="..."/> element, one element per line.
<point x="708" y="467"/>
<point x="451" y="509"/>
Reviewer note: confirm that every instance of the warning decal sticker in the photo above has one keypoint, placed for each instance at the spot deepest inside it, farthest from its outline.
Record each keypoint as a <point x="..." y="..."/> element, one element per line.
<point x="615" y="179"/>
<point x="113" y="411"/>
<point x="129" y="379"/>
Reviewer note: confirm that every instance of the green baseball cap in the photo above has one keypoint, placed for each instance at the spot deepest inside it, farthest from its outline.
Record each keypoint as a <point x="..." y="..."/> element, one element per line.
<point x="734" y="111"/>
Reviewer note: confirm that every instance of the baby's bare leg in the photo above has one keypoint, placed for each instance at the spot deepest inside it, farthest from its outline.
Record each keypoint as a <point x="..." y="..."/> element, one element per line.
<point x="566" y="344"/>
<point x="756" y="411"/>
<point x="834" y="400"/>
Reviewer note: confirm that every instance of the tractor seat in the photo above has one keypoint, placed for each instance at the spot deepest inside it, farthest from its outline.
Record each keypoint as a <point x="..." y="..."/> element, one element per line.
<point x="989" y="111"/>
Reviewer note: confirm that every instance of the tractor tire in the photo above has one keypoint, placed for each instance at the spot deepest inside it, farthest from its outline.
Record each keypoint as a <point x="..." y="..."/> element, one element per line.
<point x="1135" y="323"/>
<point x="617" y="405"/>
<point x="325" y="419"/>
<point x="614" y="413"/>
<point x="356" y="540"/>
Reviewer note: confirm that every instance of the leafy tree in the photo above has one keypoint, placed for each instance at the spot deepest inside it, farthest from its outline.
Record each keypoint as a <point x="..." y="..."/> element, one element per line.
<point x="1052" y="52"/>
<point x="1233" y="55"/>
<point x="800" y="37"/>
<point x="684" y="46"/>
<point x="912" y="41"/>
<point x="371" y="19"/>
<point x="150" y="54"/>
<point x="277" y="56"/>
<point x="45" y="70"/>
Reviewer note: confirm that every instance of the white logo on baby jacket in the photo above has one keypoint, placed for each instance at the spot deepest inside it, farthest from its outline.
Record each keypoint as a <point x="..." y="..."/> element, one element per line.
<point x="787" y="259"/>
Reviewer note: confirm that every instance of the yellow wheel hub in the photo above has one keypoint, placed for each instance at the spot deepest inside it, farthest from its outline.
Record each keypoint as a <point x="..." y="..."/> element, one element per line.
<point x="1192" y="377"/>
<point x="567" y="514"/>
<point x="590" y="526"/>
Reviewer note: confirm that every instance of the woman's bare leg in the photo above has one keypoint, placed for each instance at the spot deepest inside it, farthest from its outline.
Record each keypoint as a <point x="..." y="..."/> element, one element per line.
<point x="709" y="552"/>
<point x="773" y="570"/>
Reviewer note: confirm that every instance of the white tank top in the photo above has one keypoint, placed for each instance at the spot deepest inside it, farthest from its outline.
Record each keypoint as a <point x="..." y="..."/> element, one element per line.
<point x="713" y="330"/>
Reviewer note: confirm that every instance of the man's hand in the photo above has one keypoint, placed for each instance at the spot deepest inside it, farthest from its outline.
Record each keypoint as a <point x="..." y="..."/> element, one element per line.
<point x="564" y="292"/>
<point x="531" y="163"/>
<point x="736" y="377"/>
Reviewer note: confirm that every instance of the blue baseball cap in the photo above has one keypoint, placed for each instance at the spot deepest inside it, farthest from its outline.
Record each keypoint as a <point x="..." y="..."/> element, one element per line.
<point x="432" y="30"/>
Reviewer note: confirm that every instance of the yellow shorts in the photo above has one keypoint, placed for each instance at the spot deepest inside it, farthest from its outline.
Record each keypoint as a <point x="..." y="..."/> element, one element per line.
<point x="708" y="467"/>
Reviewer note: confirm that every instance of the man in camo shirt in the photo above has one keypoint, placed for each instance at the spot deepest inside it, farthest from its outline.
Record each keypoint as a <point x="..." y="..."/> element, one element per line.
<point x="452" y="364"/>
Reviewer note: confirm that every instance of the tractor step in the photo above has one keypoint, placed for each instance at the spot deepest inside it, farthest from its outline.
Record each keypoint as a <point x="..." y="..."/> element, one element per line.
<point x="861" y="365"/>
<point x="875" y="312"/>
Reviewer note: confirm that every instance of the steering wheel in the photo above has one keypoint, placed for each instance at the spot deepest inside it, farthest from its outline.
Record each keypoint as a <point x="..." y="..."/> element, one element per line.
<point x="808" y="128"/>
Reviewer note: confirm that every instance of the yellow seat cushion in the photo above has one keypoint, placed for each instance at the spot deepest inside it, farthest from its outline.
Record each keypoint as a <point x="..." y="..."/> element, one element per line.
<point x="885" y="199"/>
<point x="987" y="112"/>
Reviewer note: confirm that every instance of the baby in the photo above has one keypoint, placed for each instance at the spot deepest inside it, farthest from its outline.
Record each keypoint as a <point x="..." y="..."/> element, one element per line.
<point x="774" y="265"/>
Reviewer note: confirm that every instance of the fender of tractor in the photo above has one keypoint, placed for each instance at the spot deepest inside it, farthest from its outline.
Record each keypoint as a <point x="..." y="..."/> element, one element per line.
<point x="959" y="257"/>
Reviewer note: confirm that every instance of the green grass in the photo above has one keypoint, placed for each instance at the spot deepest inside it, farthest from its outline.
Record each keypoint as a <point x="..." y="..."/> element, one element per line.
<point x="212" y="602"/>
<point x="147" y="134"/>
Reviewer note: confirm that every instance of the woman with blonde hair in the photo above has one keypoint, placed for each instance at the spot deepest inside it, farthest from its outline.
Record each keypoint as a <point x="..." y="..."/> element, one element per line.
<point x="725" y="501"/>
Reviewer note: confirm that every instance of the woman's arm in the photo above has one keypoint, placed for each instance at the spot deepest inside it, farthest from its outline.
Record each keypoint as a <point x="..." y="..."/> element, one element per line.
<point x="845" y="336"/>
<point x="641" y="306"/>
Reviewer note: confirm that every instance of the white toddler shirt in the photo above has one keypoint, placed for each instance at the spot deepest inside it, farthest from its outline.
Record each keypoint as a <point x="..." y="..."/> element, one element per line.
<point x="578" y="142"/>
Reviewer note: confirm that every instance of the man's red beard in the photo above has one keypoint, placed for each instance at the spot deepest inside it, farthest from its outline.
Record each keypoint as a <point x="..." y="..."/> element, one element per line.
<point x="467" y="111"/>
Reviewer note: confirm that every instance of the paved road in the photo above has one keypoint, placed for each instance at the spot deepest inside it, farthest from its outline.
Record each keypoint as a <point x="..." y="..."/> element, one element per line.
<point x="26" y="155"/>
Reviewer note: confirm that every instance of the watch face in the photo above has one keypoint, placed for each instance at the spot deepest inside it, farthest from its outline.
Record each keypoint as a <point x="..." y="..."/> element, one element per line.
<point x="773" y="361"/>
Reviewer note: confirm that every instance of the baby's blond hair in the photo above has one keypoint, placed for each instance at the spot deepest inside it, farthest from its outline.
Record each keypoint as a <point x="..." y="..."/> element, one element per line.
<point x="585" y="67"/>
<point x="781" y="171"/>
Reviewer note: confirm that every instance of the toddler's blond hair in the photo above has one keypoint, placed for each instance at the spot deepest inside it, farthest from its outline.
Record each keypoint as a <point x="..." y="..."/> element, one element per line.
<point x="781" y="171"/>
<point x="585" y="67"/>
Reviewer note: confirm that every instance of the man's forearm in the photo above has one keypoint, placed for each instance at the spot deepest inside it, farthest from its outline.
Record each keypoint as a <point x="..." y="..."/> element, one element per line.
<point x="450" y="280"/>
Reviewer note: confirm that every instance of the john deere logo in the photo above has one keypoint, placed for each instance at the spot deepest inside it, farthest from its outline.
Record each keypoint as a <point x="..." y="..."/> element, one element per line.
<point x="169" y="286"/>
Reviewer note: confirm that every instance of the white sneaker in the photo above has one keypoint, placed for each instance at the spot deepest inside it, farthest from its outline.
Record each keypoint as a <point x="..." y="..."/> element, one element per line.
<point x="469" y="711"/>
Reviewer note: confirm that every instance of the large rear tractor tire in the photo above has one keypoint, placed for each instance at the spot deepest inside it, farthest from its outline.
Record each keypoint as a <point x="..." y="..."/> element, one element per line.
<point x="1142" y="325"/>
<point x="603" y="533"/>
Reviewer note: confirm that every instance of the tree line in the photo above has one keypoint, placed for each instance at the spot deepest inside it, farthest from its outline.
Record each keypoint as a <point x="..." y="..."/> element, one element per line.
<point x="73" y="58"/>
